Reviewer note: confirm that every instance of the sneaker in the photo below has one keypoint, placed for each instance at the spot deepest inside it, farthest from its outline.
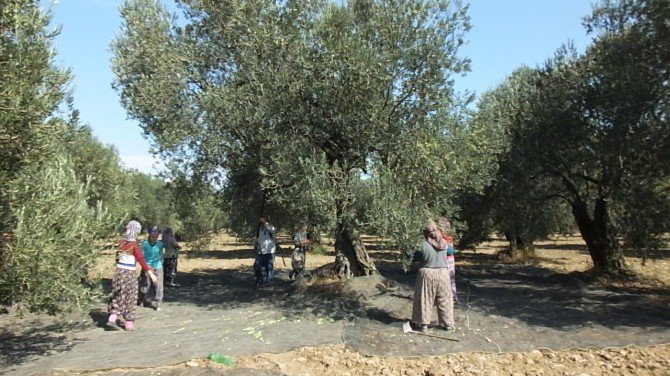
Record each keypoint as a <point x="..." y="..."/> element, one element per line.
<point x="111" y="326"/>
<point x="448" y="328"/>
<point x="418" y="327"/>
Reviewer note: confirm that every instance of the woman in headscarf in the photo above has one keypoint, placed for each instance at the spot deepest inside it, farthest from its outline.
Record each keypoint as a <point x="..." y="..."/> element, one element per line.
<point x="433" y="287"/>
<point x="124" y="284"/>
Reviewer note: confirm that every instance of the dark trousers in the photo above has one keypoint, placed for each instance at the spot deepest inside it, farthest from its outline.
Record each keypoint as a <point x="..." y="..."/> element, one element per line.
<point x="170" y="269"/>
<point x="264" y="262"/>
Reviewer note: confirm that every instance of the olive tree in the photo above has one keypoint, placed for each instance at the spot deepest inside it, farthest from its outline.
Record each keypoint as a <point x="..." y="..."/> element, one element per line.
<point x="291" y="106"/>
<point x="592" y="130"/>
<point x="519" y="202"/>
<point x="55" y="178"/>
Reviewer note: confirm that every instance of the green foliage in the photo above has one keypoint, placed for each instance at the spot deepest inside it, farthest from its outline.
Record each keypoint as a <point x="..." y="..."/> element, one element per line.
<point x="45" y="265"/>
<point x="99" y="167"/>
<point x="60" y="188"/>
<point x="404" y="211"/>
<point x="626" y="90"/>
<point x="592" y="130"/>
<point x="319" y="249"/>
<point x="198" y="210"/>
<point x="285" y="106"/>
<point x="151" y="202"/>
<point x="31" y="90"/>
<point x="519" y="201"/>
<point x="31" y="87"/>
<point x="151" y="70"/>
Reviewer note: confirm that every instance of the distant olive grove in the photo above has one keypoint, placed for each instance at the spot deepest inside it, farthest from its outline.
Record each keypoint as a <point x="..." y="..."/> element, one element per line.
<point x="339" y="115"/>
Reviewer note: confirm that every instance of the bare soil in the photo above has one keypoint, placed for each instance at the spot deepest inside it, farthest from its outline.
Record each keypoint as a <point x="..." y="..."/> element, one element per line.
<point x="561" y="264"/>
<point x="564" y="256"/>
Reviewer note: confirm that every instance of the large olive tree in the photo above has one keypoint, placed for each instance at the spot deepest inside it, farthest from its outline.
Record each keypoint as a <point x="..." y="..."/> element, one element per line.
<point x="299" y="107"/>
<point x="592" y="129"/>
<point x="519" y="202"/>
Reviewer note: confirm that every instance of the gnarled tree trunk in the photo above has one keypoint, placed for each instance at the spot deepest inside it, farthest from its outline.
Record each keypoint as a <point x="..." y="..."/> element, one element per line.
<point x="349" y="243"/>
<point x="596" y="231"/>
<point x="521" y="248"/>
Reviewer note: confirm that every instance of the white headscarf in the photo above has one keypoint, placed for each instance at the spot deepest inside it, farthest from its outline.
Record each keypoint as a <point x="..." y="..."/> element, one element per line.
<point x="133" y="229"/>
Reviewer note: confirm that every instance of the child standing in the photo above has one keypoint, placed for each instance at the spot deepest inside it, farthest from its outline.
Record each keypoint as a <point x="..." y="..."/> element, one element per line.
<point x="153" y="250"/>
<point x="124" y="282"/>
<point x="171" y="256"/>
<point x="445" y="226"/>
<point x="451" y="265"/>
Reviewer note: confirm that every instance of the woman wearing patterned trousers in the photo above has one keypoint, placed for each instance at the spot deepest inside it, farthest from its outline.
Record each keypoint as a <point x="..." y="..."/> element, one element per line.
<point x="433" y="285"/>
<point x="124" y="282"/>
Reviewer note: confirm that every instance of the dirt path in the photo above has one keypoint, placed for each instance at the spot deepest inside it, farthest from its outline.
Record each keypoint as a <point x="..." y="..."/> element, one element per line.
<point x="298" y="329"/>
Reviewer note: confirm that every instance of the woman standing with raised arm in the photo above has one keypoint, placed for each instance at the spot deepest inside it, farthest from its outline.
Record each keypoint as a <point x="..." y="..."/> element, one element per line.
<point x="433" y="285"/>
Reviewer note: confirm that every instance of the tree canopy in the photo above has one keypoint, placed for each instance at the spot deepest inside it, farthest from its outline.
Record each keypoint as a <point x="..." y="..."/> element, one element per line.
<point x="592" y="130"/>
<point x="62" y="191"/>
<point x="299" y="107"/>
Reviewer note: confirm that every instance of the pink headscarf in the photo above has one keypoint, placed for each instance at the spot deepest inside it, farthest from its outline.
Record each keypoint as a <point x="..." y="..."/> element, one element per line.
<point x="434" y="236"/>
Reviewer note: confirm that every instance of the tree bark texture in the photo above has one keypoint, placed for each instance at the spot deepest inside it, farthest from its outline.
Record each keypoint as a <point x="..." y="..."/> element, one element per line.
<point x="349" y="243"/>
<point x="604" y="248"/>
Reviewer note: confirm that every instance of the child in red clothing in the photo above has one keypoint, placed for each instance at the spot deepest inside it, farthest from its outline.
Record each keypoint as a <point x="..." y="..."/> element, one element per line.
<point x="124" y="284"/>
<point x="445" y="227"/>
<point x="451" y="265"/>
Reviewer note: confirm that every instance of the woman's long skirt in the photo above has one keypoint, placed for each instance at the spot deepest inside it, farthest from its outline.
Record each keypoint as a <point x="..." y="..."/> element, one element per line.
<point x="124" y="294"/>
<point x="433" y="288"/>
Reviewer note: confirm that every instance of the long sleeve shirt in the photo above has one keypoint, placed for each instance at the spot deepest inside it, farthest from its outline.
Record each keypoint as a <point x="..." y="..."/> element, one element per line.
<point x="266" y="238"/>
<point x="432" y="258"/>
<point x="131" y="253"/>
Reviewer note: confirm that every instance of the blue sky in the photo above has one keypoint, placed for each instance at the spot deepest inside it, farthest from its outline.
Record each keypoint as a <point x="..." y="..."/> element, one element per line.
<point x="505" y="35"/>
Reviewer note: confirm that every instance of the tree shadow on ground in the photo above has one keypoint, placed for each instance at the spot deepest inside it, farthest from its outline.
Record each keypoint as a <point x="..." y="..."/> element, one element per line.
<point x="533" y="295"/>
<point x="651" y="254"/>
<point x="245" y="252"/>
<point x="538" y="296"/>
<point x="570" y="247"/>
<point x="239" y="254"/>
<point x="217" y="289"/>
<point x="36" y="338"/>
